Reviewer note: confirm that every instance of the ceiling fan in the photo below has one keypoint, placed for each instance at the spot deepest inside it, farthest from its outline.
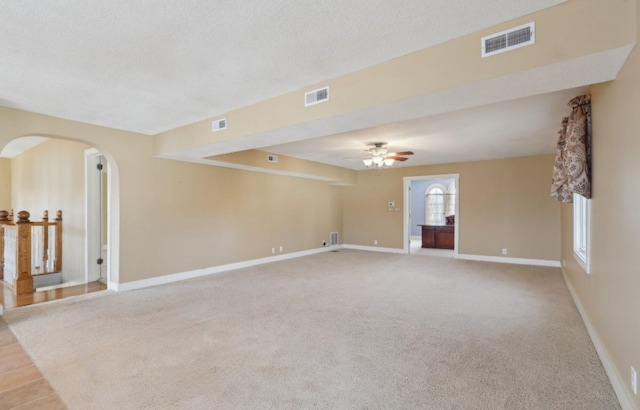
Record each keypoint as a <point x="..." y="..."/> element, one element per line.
<point x="380" y="157"/>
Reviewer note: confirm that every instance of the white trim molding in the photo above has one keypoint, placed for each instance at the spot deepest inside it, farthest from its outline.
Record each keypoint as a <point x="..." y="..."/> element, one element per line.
<point x="516" y="261"/>
<point x="176" y="277"/>
<point x="406" y="184"/>
<point x="374" y="249"/>
<point x="618" y="382"/>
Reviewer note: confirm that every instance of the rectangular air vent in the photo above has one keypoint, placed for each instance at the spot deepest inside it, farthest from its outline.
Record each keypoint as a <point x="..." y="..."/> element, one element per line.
<point x="509" y="39"/>
<point x="333" y="238"/>
<point x="272" y="158"/>
<point x="219" y="125"/>
<point x="316" y="96"/>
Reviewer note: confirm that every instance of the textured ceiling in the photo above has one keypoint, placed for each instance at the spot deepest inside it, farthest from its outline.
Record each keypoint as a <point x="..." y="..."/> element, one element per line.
<point x="521" y="127"/>
<point x="152" y="66"/>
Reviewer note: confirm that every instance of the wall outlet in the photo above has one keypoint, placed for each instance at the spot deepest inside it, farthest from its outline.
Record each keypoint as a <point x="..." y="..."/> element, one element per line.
<point x="281" y="248"/>
<point x="273" y="250"/>
<point x="375" y="242"/>
<point x="634" y="381"/>
<point x="324" y="243"/>
<point x="504" y="251"/>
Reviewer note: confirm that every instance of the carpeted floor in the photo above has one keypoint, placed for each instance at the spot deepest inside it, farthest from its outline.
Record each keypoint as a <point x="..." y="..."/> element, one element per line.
<point x="347" y="330"/>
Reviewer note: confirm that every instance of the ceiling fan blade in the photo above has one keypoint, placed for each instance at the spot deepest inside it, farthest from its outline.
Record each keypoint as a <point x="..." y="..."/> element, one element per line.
<point x="403" y="153"/>
<point x="396" y="158"/>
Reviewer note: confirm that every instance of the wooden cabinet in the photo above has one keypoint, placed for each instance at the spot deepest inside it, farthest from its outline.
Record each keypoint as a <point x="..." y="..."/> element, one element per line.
<point x="438" y="236"/>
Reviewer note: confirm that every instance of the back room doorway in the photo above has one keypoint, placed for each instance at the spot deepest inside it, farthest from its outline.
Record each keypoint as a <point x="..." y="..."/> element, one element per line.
<point x="431" y="200"/>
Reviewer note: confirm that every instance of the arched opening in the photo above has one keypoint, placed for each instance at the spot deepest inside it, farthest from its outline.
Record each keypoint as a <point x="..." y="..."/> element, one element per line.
<point x="435" y="205"/>
<point x="52" y="173"/>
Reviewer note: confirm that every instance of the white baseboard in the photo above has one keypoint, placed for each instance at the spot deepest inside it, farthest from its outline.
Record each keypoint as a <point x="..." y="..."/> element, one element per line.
<point x="175" y="277"/>
<point x="374" y="249"/>
<point x="502" y="259"/>
<point x="618" y="383"/>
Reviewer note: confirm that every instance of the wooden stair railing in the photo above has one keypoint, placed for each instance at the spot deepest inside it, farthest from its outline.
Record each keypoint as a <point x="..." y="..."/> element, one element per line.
<point x="16" y="249"/>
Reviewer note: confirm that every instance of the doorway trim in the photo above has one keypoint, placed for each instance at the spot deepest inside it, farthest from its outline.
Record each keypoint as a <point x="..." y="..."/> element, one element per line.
<point x="93" y="221"/>
<point x="407" y="204"/>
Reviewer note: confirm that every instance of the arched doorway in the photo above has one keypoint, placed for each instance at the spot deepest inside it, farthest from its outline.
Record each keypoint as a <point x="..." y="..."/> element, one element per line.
<point x="54" y="175"/>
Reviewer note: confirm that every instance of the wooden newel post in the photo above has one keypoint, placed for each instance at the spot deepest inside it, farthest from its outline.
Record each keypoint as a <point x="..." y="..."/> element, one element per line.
<point x="23" y="282"/>
<point x="58" y="260"/>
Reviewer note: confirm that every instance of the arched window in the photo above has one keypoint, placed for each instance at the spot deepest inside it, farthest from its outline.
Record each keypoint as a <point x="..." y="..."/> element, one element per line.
<point x="435" y="205"/>
<point x="451" y="200"/>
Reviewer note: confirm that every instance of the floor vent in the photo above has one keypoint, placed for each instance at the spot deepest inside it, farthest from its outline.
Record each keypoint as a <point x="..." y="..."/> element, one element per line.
<point x="333" y="238"/>
<point x="219" y="125"/>
<point x="509" y="39"/>
<point x="316" y="96"/>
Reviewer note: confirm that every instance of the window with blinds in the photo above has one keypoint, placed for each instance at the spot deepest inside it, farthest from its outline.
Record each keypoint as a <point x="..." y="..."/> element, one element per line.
<point x="439" y="204"/>
<point x="435" y="206"/>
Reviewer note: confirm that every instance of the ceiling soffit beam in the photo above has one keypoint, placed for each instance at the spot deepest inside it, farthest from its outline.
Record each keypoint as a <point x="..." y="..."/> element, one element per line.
<point x="603" y="67"/>
<point x="447" y="77"/>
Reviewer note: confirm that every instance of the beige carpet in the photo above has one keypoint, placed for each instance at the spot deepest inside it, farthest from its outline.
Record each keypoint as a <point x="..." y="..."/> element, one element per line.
<point x="340" y="330"/>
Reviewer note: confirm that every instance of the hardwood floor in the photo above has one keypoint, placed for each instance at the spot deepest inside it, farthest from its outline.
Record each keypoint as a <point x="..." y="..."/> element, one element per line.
<point x="9" y="300"/>
<point x="22" y="386"/>
<point x="21" y="383"/>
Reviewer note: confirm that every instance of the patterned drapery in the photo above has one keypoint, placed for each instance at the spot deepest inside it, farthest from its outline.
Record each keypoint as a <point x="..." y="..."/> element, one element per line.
<point x="572" y="169"/>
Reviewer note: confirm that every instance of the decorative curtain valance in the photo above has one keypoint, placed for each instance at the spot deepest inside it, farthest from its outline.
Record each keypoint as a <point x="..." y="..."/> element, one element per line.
<point x="572" y="169"/>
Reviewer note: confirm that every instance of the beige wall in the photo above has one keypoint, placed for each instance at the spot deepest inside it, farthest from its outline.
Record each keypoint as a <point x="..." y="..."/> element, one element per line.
<point x="5" y="183"/>
<point x="50" y="177"/>
<point x="171" y="217"/>
<point x="199" y="216"/>
<point x="610" y="295"/>
<point x="503" y="204"/>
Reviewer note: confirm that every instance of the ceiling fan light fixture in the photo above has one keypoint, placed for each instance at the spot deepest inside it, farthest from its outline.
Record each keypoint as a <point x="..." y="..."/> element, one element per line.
<point x="379" y="156"/>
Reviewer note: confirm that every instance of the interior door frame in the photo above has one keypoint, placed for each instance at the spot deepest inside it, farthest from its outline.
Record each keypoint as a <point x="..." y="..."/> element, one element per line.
<point x="407" y="208"/>
<point x="93" y="218"/>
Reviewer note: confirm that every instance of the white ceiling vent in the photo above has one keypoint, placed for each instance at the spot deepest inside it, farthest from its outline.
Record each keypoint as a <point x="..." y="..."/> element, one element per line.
<point x="219" y="125"/>
<point x="316" y="96"/>
<point x="509" y="39"/>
